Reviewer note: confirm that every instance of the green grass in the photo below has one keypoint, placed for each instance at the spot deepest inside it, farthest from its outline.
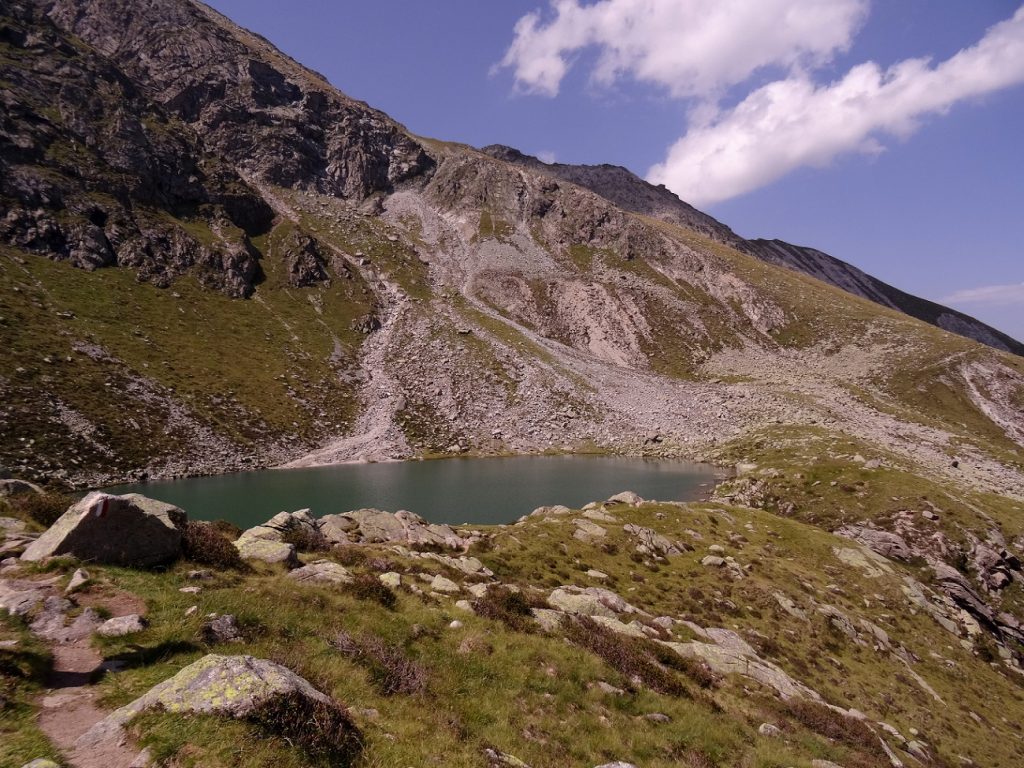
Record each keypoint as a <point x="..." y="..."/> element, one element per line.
<point x="251" y="370"/>
<point x="22" y="674"/>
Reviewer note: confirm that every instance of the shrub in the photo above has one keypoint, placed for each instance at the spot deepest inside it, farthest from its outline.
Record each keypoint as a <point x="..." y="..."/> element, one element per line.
<point x="366" y="586"/>
<point x="324" y="731"/>
<point x="512" y="609"/>
<point x="43" y="508"/>
<point x="630" y="656"/>
<point x="203" y="543"/>
<point x="825" y="721"/>
<point x="305" y="538"/>
<point x="389" y="667"/>
<point x="349" y="555"/>
<point x="225" y="528"/>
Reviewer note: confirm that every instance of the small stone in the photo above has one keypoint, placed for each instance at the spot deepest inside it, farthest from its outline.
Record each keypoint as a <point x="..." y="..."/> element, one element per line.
<point x="594" y="574"/>
<point x="78" y="580"/>
<point x="716" y="549"/>
<point x="391" y="579"/>
<point x="191" y="590"/>
<point x="456" y="624"/>
<point x="220" y="629"/>
<point x="767" y="729"/>
<point x="464" y="605"/>
<point x="712" y="561"/>
<point x="657" y="717"/>
<point x="192" y="611"/>
<point x="121" y="625"/>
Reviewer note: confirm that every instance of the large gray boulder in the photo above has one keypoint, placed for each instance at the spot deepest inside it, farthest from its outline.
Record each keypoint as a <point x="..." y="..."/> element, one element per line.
<point x="229" y="686"/>
<point x="128" y="530"/>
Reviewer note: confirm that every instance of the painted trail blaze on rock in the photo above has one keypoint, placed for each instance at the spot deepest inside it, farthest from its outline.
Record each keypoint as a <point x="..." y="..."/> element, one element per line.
<point x="118" y="530"/>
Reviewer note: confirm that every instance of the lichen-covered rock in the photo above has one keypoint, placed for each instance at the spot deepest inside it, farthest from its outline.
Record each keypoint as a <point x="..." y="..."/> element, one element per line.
<point x="41" y="763"/>
<point x="266" y="550"/>
<point x="130" y="530"/>
<point x="230" y="686"/>
<point x="323" y="571"/>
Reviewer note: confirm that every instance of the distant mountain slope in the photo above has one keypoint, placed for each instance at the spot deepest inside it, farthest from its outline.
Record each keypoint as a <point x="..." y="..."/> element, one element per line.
<point x="848" y="277"/>
<point x="627" y="190"/>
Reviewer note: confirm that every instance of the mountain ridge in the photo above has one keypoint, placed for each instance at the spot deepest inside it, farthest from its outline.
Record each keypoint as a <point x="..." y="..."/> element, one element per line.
<point x="622" y="187"/>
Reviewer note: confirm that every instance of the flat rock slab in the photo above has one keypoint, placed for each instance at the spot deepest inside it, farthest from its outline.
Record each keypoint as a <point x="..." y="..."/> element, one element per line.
<point x="130" y="530"/>
<point x="323" y="571"/>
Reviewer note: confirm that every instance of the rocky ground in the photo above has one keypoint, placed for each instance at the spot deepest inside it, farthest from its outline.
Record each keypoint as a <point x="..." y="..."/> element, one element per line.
<point x="627" y="633"/>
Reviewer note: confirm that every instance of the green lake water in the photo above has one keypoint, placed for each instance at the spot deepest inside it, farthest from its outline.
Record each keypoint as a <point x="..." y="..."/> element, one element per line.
<point x="477" y="491"/>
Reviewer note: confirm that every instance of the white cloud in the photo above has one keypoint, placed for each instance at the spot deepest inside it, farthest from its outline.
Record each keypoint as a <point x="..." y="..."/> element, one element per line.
<point x="691" y="47"/>
<point x="989" y="294"/>
<point x="793" y="122"/>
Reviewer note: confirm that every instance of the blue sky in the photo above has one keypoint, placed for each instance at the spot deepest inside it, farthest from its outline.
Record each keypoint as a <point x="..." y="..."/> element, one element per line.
<point x="920" y="183"/>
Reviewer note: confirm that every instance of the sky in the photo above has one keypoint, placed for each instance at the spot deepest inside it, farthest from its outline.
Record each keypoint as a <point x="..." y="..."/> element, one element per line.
<point x="888" y="134"/>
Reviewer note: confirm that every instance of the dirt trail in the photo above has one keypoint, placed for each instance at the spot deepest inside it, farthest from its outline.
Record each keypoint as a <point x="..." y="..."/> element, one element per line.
<point x="69" y="707"/>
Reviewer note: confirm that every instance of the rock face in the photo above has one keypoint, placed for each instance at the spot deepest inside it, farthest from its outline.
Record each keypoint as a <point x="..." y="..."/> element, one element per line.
<point x="323" y="571"/>
<point x="230" y="686"/>
<point x="626" y="190"/>
<point x="128" y="530"/>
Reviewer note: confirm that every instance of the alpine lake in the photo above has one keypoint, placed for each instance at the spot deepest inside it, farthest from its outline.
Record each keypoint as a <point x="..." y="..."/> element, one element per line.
<point x="477" y="491"/>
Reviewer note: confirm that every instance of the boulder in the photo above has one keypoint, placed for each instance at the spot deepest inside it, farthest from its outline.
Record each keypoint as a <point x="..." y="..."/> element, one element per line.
<point x="266" y="550"/>
<point x="41" y="762"/>
<point x="9" y="488"/>
<point x="626" y="497"/>
<point x="130" y="530"/>
<point x="588" y="531"/>
<point x="229" y="686"/>
<point x="444" y="585"/>
<point x="323" y="571"/>
<point x="886" y="544"/>
<point x="121" y="626"/>
<point x="592" y="601"/>
<point x="650" y="541"/>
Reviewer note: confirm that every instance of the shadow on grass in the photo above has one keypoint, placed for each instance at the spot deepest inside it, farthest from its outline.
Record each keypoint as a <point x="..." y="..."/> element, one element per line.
<point x="145" y="656"/>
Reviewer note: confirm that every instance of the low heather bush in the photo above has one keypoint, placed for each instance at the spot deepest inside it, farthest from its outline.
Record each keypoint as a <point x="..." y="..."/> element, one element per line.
<point x="324" y="731"/>
<point x="389" y="666"/>
<point x="204" y="544"/>
<point x="367" y="587"/>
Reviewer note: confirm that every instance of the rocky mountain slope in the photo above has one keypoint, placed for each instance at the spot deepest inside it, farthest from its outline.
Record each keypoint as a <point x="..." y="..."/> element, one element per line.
<point x="628" y="191"/>
<point x="211" y="259"/>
